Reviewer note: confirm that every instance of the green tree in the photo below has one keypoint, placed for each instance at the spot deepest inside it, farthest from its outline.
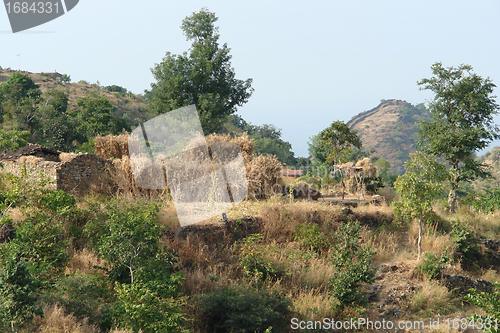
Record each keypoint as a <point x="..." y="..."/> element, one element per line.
<point x="20" y="98"/>
<point x="461" y="123"/>
<point x="338" y="143"/>
<point x="94" y="115"/>
<point x="13" y="140"/>
<point x="66" y="78"/>
<point x="384" y="171"/>
<point x="130" y="240"/>
<point x="131" y="236"/>
<point x="490" y="304"/>
<point x="203" y="76"/>
<point x="313" y="149"/>
<point x="57" y="127"/>
<point x="418" y="188"/>
<point x="267" y="140"/>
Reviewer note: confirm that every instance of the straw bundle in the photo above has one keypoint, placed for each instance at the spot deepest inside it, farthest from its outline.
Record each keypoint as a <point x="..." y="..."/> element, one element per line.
<point x="263" y="171"/>
<point x="109" y="146"/>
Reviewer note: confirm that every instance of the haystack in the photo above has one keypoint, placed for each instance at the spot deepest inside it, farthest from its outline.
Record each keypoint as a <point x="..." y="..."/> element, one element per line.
<point x="263" y="171"/>
<point x="111" y="146"/>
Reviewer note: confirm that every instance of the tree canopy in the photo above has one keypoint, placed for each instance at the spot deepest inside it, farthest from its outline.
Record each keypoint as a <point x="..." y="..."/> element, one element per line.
<point x="337" y="142"/>
<point x="419" y="187"/>
<point x="461" y="122"/>
<point x="203" y="76"/>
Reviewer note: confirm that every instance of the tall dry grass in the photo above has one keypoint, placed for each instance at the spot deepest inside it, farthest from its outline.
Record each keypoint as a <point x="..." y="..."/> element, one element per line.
<point x="432" y="298"/>
<point x="83" y="261"/>
<point x="56" y="321"/>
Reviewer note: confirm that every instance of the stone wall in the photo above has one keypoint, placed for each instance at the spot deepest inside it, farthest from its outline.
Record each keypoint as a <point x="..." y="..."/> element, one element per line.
<point x="74" y="173"/>
<point x="33" y="166"/>
<point x="81" y="172"/>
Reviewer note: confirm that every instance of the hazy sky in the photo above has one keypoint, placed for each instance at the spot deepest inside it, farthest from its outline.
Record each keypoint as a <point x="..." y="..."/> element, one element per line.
<point x="312" y="62"/>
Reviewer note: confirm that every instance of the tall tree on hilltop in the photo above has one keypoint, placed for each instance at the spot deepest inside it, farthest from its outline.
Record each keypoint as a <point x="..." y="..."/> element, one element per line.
<point x="461" y="123"/>
<point x="203" y="76"/>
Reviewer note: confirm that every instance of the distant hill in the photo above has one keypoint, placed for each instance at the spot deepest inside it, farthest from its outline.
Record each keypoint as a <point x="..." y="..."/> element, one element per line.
<point x="390" y="129"/>
<point x="126" y="104"/>
<point x="492" y="159"/>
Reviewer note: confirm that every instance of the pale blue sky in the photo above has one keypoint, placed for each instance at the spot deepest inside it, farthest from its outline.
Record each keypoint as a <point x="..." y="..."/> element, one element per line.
<point x="312" y="62"/>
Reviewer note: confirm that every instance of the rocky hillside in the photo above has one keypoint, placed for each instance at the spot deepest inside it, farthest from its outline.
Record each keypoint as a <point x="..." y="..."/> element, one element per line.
<point x="390" y="129"/>
<point x="491" y="159"/>
<point x="126" y="104"/>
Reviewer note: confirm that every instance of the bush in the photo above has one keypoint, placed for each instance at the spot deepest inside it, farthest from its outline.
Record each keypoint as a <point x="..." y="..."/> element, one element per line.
<point x="143" y="309"/>
<point x="487" y="202"/>
<point x="81" y="295"/>
<point x="466" y="241"/>
<point x="490" y="304"/>
<point x="311" y="237"/>
<point x="18" y="292"/>
<point x="432" y="266"/>
<point x="253" y="261"/>
<point x="236" y="309"/>
<point x="13" y="139"/>
<point x="351" y="262"/>
<point x="115" y="88"/>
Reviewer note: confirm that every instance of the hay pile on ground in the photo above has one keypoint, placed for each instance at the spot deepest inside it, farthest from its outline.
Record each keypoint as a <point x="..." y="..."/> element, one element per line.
<point x="263" y="171"/>
<point x="358" y="175"/>
<point x="111" y="146"/>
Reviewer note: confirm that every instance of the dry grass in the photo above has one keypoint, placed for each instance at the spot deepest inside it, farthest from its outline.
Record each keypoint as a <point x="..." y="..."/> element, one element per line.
<point x="56" y="321"/>
<point x="389" y="245"/>
<point x="432" y="241"/>
<point x="313" y="304"/>
<point x="432" y="299"/>
<point x="83" y="261"/>
<point x="30" y="160"/>
<point x="281" y="219"/>
<point x="64" y="157"/>
<point x="491" y="275"/>
<point x="111" y="146"/>
<point x="213" y="277"/>
<point x="375" y="209"/>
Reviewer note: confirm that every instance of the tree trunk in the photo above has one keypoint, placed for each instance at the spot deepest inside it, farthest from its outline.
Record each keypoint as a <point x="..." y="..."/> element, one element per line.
<point x="452" y="196"/>
<point x="419" y="236"/>
<point x="452" y="199"/>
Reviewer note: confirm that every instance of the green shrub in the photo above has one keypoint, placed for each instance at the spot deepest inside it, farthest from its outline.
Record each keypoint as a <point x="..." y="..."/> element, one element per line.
<point x="311" y="237"/>
<point x="130" y="237"/>
<point x="432" y="266"/>
<point x="466" y="241"/>
<point x="490" y="304"/>
<point x="18" y="292"/>
<point x="253" y="261"/>
<point x="487" y="202"/>
<point x="352" y="262"/>
<point x="140" y="308"/>
<point x="236" y="309"/>
<point x="13" y="139"/>
<point x="84" y="296"/>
